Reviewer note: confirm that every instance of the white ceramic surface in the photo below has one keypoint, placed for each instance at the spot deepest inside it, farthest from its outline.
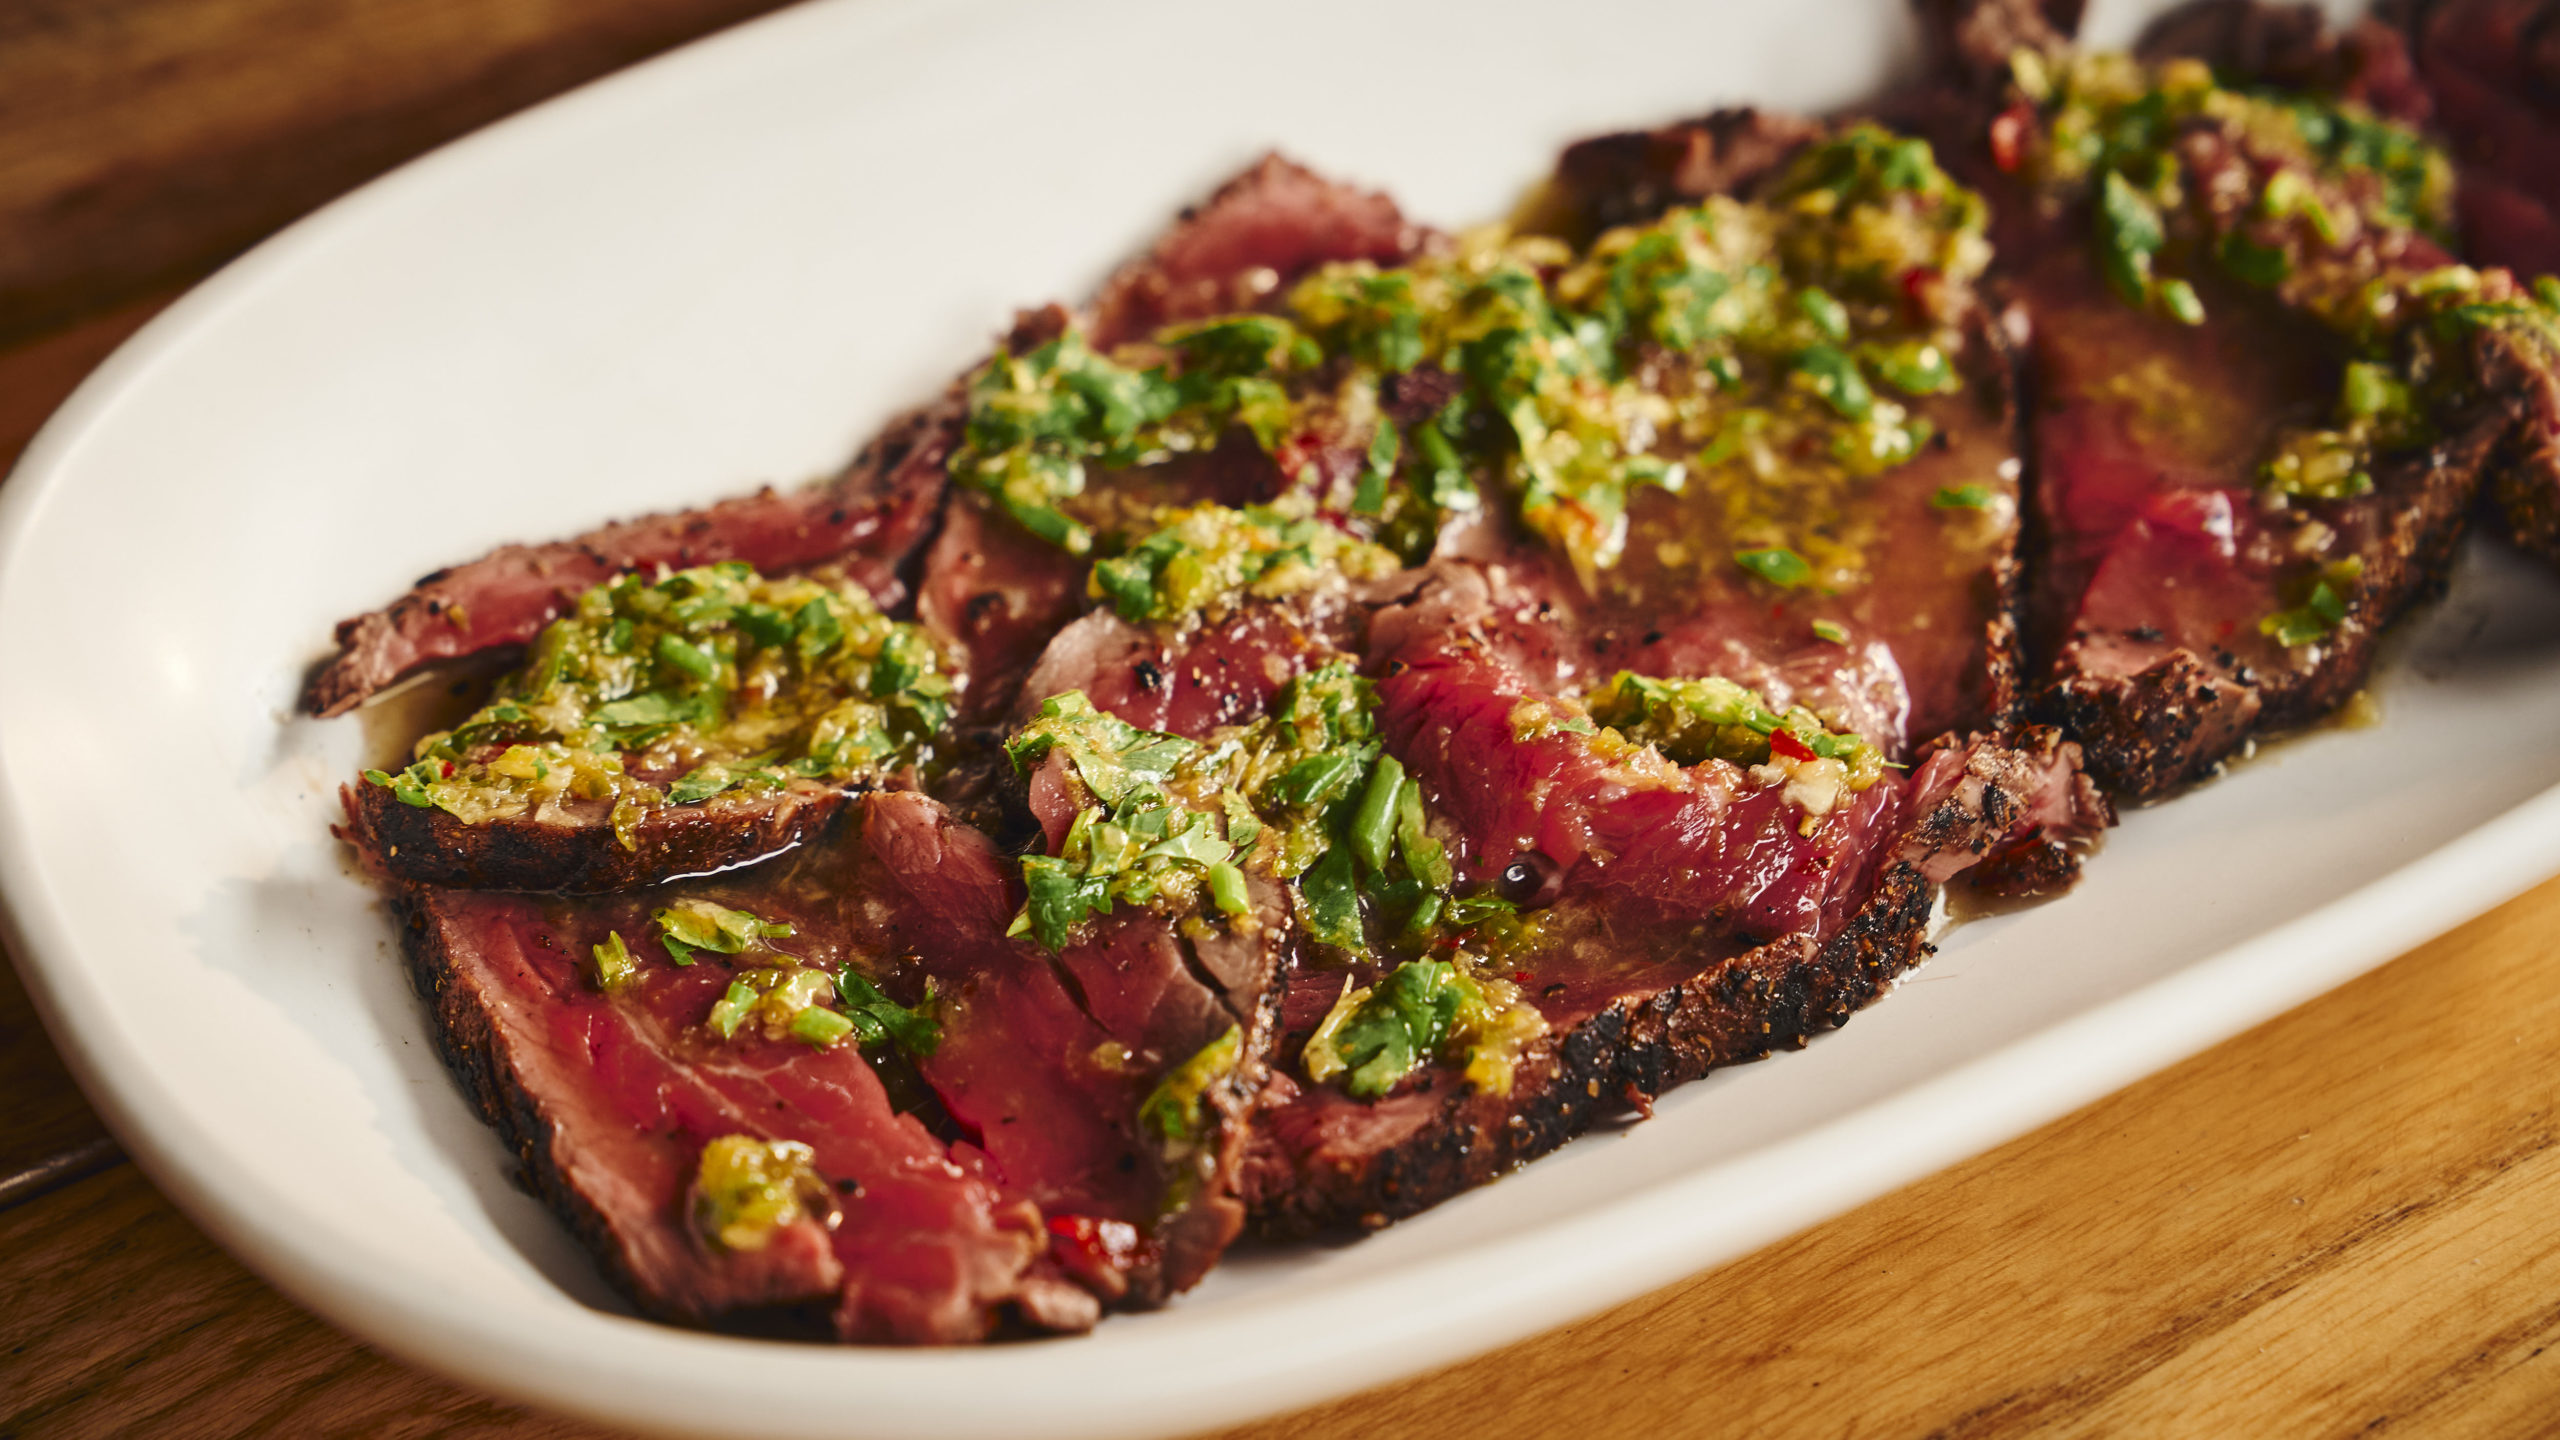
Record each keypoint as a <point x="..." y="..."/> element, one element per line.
<point x="723" y="268"/>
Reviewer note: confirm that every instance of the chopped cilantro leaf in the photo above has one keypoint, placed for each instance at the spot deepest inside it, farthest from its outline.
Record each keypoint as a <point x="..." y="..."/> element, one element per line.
<point x="1777" y="564"/>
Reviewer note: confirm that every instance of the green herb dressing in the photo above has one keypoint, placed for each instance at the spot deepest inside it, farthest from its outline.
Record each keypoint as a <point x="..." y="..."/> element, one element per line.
<point x="704" y="681"/>
<point x="1768" y="349"/>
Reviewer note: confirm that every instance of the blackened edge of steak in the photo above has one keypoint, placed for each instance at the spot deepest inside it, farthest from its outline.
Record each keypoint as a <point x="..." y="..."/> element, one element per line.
<point x="873" y="520"/>
<point x="1632" y="176"/>
<point x="582" y="854"/>
<point x="2002" y="328"/>
<point x="2293" y="47"/>
<point x="1470" y="1139"/>
<point x="2146" y="735"/>
<point x="1969" y="42"/>
<point x="1777" y="996"/>
<point x="2524" y="481"/>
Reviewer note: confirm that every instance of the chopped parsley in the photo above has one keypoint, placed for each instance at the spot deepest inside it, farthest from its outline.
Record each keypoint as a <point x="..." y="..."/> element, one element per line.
<point x="691" y="925"/>
<point x="1777" y="564"/>
<point x="745" y="1189"/>
<point x="1732" y="332"/>
<point x="614" y="965"/>
<point x="1208" y="558"/>
<point x="876" y="1020"/>
<point x="2323" y="606"/>
<point x="1304" y="794"/>
<point x="1177" y="1111"/>
<point x="1136" y="842"/>
<point x="1693" y="721"/>
<point x="670" y="691"/>
<point x="1423" y="1010"/>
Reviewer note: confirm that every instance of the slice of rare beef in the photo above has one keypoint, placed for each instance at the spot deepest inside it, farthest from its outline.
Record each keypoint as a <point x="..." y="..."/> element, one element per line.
<point x="996" y="592"/>
<point x="666" y="727"/>
<point x="1109" y="1081"/>
<point x="870" y="522"/>
<point x="610" y="1101"/>
<point x="1025" y="1138"/>
<point x="2262" y="397"/>
<point x="1665" y="918"/>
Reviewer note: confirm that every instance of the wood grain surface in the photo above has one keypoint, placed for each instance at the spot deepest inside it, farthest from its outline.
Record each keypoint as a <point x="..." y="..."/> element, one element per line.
<point x="2344" y="1222"/>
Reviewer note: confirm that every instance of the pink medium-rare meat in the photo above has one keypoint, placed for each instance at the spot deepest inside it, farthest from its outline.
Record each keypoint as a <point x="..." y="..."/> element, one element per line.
<point x="1262" y="230"/>
<point x="2183" y="600"/>
<point x="1038" y="1080"/>
<point x="1099" y="1115"/>
<point x="609" y="1100"/>
<point x="1046" y="1062"/>
<point x="1658" y="837"/>
<point x="1635" y="1005"/>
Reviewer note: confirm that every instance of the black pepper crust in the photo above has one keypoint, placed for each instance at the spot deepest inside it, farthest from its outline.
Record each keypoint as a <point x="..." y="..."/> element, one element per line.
<point x="1775" y="997"/>
<point x="2147" y="735"/>
<point x="580" y="853"/>
<point x="1474" y="1138"/>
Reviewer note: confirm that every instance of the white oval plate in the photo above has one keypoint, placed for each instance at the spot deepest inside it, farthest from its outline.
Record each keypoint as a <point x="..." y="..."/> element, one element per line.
<point x="723" y="268"/>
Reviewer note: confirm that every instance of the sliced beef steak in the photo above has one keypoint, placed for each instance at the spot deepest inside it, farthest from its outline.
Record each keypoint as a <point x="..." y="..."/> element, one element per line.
<point x="2491" y="75"/>
<point x="1043" y="1163"/>
<point x="1685" y="917"/>
<point x="1680" y="917"/>
<point x="2163" y="561"/>
<point x="869" y="521"/>
<point x="1241" y="248"/>
<point x="2185" y="595"/>
<point x="572" y="846"/>
<point x="609" y="1101"/>
<point x="1048" y="1063"/>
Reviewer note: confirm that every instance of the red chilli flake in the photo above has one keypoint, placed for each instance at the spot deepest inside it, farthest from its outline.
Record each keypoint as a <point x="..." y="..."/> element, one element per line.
<point x="448" y="770"/>
<point x="2009" y="132"/>
<point x="1783" y="743"/>
<point x="1107" y="1242"/>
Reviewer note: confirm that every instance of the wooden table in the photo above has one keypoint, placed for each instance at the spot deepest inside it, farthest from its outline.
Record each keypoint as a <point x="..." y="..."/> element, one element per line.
<point x="2344" y="1221"/>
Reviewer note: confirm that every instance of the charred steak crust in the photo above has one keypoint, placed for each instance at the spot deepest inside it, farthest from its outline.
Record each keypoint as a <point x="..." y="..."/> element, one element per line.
<point x="2173" y="723"/>
<point x="1777" y="997"/>
<point x="1633" y="176"/>
<point x="580" y="854"/>
<point x="2001" y="330"/>
<point x="1470" y="1138"/>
